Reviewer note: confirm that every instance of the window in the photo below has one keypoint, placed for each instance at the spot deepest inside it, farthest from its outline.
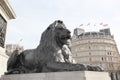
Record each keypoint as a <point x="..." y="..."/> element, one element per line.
<point x="89" y="53"/>
<point x="102" y="59"/>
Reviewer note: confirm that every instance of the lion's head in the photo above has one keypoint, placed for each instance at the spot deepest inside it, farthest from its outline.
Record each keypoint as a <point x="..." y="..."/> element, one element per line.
<point x="56" y="33"/>
<point x="62" y="36"/>
<point x="53" y="39"/>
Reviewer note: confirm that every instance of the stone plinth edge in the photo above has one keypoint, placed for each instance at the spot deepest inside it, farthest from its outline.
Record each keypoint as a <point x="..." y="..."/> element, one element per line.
<point x="73" y="75"/>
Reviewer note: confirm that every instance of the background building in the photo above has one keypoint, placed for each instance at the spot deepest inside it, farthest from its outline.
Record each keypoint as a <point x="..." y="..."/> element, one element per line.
<point x="11" y="47"/>
<point x="6" y="13"/>
<point x="96" y="48"/>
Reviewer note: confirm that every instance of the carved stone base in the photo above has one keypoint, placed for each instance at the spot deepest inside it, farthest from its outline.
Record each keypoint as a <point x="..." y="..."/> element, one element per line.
<point x="73" y="75"/>
<point x="3" y="61"/>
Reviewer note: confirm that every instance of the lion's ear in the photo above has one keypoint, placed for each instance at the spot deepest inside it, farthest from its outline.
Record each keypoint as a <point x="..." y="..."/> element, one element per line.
<point x="59" y="21"/>
<point x="48" y="28"/>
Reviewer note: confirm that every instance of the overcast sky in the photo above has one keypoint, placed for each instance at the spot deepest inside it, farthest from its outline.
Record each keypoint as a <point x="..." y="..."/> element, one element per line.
<point x="34" y="16"/>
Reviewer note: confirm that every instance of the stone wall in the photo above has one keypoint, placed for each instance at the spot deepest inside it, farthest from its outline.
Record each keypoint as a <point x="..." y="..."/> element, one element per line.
<point x="3" y="61"/>
<point x="6" y="13"/>
<point x="71" y="75"/>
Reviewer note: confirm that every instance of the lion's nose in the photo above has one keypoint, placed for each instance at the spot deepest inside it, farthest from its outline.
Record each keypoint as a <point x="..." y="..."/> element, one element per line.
<point x="68" y="37"/>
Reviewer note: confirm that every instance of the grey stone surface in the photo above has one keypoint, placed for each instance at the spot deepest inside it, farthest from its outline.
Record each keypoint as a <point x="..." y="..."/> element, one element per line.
<point x="76" y="75"/>
<point x="3" y="25"/>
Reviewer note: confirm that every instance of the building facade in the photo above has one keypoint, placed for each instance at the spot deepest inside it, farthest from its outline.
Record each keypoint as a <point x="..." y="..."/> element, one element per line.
<point x="96" y="48"/>
<point x="6" y="13"/>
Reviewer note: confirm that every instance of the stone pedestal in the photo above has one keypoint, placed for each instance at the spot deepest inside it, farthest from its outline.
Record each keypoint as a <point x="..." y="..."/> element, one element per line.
<point x="3" y="61"/>
<point x="73" y="75"/>
<point x="6" y="13"/>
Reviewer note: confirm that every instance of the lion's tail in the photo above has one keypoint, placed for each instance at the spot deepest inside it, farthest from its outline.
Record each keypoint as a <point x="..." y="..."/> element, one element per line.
<point x="12" y="60"/>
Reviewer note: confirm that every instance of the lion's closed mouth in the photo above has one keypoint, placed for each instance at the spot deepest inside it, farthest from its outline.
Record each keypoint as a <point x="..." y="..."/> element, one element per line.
<point x="65" y="37"/>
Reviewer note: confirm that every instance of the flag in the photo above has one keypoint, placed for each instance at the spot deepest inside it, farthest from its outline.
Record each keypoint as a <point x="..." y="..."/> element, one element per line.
<point x="81" y="25"/>
<point x="88" y="24"/>
<point x="95" y="24"/>
<point x="101" y="23"/>
<point x="105" y="25"/>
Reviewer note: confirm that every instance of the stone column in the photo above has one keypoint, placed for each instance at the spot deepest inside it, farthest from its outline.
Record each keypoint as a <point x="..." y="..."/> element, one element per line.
<point x="6" y="13"/>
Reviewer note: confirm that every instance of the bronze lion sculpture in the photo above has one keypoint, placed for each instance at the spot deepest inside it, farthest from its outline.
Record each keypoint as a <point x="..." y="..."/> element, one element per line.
<point x="52" y="54"/>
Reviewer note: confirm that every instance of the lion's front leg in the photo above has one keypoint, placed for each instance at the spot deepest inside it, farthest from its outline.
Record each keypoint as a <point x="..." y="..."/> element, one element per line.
<point x="94" y="68"/>
<point x="67" y="54"/>
<point x="59" y="66"/>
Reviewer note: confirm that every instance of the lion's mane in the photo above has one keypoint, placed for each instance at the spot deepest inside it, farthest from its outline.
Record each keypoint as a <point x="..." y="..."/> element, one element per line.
<point x="48" y="47"/>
